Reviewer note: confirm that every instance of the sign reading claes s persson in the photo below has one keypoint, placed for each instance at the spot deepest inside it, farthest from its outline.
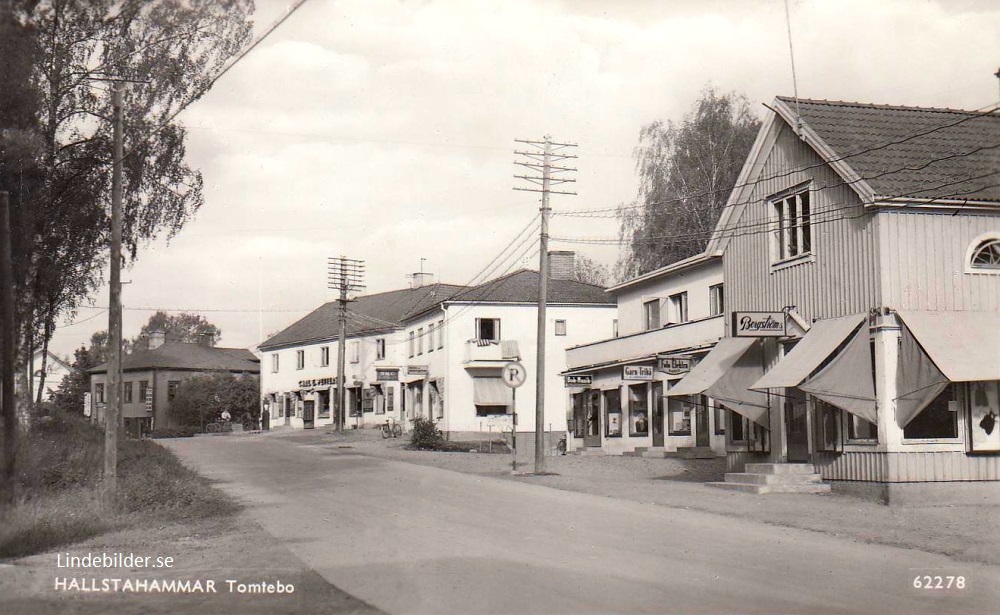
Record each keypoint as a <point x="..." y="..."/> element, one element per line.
<point x="759" y="324"/>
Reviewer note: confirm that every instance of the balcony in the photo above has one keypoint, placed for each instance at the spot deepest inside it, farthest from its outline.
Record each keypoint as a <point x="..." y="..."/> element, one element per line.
<point x="691" y="334"/>
<point x="491" y="351"/>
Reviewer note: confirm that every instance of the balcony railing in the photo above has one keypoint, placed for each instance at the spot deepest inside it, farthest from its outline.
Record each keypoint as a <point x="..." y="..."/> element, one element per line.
<point x="491" y="350"/>
<point x="689" y="334"/>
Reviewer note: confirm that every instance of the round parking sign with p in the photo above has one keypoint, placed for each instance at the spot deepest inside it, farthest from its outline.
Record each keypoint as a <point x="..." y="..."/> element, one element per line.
<point x="514" y="374"/>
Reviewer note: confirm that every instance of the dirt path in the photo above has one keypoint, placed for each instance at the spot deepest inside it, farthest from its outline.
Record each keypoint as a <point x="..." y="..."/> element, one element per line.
<point x="215" y="550"/>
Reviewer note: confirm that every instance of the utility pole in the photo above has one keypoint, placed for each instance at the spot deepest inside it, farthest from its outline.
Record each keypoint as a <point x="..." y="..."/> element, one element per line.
<point x="7" y="352"/>
<point x="112" y="412"/>
<point x="344" y="275"/>
<point x="540" y="160"/>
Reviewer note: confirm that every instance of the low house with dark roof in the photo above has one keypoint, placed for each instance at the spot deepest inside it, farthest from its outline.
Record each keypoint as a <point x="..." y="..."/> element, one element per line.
<point x="436" y="351"/>
<point x="861" y="256"/>
<point x="150" y="376"/>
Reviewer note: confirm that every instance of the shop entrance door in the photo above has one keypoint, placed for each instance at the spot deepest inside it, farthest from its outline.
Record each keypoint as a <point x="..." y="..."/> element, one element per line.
<point x="701" y="423"/>
<point x="796" y="426"/>
<point x="309" y="414"/>
<point x="657" y="419"/>
<point x="592" y="406"/>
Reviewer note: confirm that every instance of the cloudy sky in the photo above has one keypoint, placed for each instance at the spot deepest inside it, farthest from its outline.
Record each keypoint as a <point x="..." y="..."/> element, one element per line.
<point x="384" y="130"/>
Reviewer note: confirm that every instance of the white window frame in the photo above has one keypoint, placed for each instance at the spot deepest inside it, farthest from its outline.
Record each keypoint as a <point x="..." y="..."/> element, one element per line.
<point x="430" y="338"/>
<point x="678" y="308"/>
<point x="987" y="239"/>
<point x="324" y="356"/>
<point x="647" y="322"/>
<point x="496" y="329"/>
<point x="420" y="341"/>
<point x="412" y="343"/>
<point x="275" y="363"/>
<point x="300" y="359"/>
<point x="380" y="349"/>
<point x="356" y="351"/>
<point x="716" y="299"/>
<point x="441" y="334"/>
<point x="560" y="327"/>
<point x="788" y="241"/>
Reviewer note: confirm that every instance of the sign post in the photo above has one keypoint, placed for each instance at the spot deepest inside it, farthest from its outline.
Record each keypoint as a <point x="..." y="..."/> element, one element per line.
<point x="513" y="375"/>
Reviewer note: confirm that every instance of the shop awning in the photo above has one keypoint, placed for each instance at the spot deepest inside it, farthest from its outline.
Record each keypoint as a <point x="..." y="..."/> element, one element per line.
<point x="733" y="391"/>
<point x="965" y="346"/>
<point x="918" y="380"/>
<point x="816" y="346"/>
<point x="847" y="380"/>
<point x="715" y="364"/>
<point x="491" y="391"/>
<point x="725" y="373"/>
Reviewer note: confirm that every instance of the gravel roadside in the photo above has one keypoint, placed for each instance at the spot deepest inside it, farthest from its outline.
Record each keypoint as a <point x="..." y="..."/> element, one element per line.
<point x="966" y="533"/>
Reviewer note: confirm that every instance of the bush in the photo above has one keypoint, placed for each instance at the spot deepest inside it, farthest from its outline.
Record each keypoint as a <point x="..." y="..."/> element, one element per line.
<point x="59" y="471"/>
<point x="425" y="435"/>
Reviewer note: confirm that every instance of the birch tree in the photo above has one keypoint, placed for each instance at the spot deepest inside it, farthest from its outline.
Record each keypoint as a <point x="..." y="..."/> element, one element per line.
<point x="686" y="172"/>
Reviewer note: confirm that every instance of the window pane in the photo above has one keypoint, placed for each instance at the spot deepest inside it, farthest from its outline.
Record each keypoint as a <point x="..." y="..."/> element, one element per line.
<point x="678" y="416"/>
<point x="805" y="222"/>
<point x="938" y="420"/>
<point x="737" y="427"/>
<point x="638" y="410"/>
<point x="613" y="413"/>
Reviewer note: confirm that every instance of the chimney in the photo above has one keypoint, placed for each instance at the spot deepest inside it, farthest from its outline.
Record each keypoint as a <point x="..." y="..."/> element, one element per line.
<point x="419" y="279"/>
<point x="562" y="265"/>
<point x="206" y="339"/>
<point x="156" y="339"/>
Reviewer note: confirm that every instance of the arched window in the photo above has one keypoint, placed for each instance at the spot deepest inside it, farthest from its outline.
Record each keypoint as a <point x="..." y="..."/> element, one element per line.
<point x="986" y="255"/>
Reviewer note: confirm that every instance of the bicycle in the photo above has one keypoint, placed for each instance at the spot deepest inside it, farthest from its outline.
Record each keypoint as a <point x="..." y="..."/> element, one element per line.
<point x="219" y="426"/>
<point x="391" y="429"/>
<point x="248" y="423"/>
<point x="561" y="446"/>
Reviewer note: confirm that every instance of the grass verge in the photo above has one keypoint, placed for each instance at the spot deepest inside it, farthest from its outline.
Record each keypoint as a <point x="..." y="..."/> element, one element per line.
<point x="60" y="464"/>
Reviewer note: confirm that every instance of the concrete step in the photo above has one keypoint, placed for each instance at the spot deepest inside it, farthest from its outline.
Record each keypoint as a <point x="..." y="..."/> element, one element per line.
<point x="780" y="468"/>
<point x="694" y="452"/>
<point x="760" y="489"/>
<point x="655" y="453"/>
<point x="747" y="478"/>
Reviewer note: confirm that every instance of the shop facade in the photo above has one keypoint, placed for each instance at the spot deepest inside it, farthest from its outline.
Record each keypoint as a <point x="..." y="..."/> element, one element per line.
<point x="864" y="314"/>
<point x="436" y="351"/>
<point x="151" y="375"/>
<point x="615" y="388"/>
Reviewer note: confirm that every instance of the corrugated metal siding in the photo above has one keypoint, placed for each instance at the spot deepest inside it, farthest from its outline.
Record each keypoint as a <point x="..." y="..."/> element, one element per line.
<point x="843" y="278"/>
<point x="853" y="465"/>
<point x="736" y="461"/>
<point x="942" y="466"/>
<point x="924" y="256"/>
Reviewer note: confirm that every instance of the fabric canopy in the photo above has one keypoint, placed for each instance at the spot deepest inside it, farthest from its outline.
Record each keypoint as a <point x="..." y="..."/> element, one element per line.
<point x="732" y="389"/>
<point x="716" y="363"/>
<point x="847" y="381"/>
<point x="963" y="345"/>
<point x="918" y="380"/>
<point x="816" y="346"/>
<point x="491" y="391"/>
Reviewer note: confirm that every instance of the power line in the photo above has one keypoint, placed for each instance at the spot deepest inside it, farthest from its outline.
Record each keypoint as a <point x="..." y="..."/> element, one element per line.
<point x="794" y="170"/>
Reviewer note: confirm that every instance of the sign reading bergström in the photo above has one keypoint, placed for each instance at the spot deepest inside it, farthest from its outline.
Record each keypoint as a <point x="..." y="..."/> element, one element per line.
<point x="759" y="324"/>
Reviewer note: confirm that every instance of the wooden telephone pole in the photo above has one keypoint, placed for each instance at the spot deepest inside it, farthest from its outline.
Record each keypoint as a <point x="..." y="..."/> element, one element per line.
<point x="540" y="160"/>
<point x="112" y="413"/>
<point x="344" y="275"/>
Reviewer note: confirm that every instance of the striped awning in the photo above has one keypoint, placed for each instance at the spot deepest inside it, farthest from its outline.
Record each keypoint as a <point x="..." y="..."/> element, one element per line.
<point x="491" y="391"/>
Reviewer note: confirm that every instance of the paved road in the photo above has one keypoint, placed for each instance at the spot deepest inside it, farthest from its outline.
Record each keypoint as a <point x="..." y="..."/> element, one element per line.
<point x="414" y="539"/>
